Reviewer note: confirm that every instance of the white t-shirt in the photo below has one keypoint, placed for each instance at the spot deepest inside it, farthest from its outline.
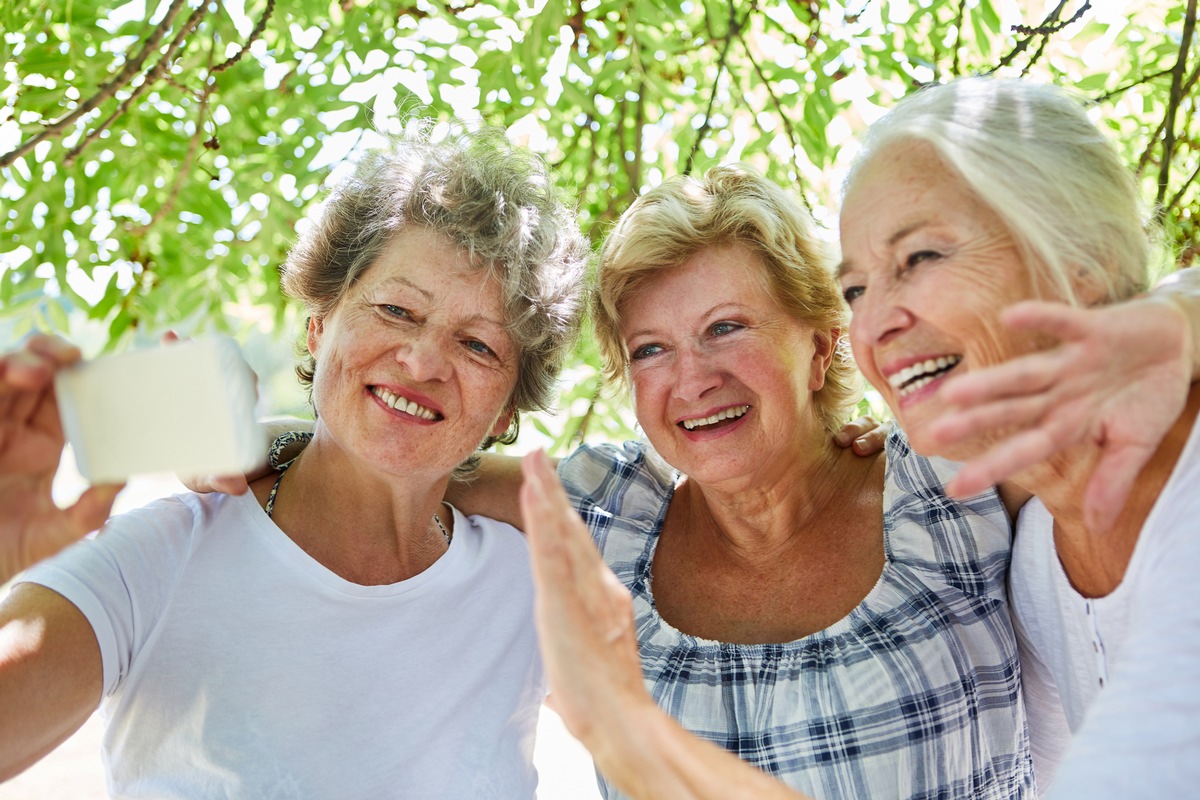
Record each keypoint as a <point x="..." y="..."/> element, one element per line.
<point x="1121" y="672"/>
<point x="237" y="666"/>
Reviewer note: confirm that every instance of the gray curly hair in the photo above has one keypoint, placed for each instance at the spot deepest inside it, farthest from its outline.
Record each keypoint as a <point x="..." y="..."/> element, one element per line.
<point x="495" y="201"/>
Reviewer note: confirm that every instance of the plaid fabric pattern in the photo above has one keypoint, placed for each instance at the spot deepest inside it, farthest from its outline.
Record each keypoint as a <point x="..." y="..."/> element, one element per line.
<point x="915" y="694"/>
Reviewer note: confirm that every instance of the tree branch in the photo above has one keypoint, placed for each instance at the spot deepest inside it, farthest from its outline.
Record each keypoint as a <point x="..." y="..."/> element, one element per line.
<point x="152" y="75"/>
<point x="186" y="168"/>
<point x="251" y="39"/>
<point x="958" y="22"/>
<point x="1144" y="158"/>
<point x="787" y="123"/>
<point x="1164" y="169"/>
<point x="1121" y="89"/>
<point x="104" y="92"/>
<point x="1182" y="190"/>
<point x="1049" y="25"/>
<point x="712" y="98"/>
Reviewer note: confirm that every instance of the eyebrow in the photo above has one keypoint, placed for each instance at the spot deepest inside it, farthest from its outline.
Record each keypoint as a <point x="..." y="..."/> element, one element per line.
<point x="705" y="315"/>
<point x="846" y="265"/>
<point x="398" y="279"/>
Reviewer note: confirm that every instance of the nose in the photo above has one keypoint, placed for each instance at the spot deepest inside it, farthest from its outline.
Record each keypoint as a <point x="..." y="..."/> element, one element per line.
<point x="425" y="357"/>
<point x="877" y="319"/>
<point x="696" y="373"/>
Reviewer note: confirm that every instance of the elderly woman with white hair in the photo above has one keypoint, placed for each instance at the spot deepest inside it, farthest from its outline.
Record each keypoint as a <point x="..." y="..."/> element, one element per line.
<point x="968" y="199"/>
<point x="339" y="631"/>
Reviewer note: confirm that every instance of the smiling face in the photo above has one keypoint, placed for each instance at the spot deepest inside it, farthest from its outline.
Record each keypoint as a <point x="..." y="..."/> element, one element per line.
<point x="414" y="366"/>
<point x="927" y="270"/>
<point x="722" y="377"/>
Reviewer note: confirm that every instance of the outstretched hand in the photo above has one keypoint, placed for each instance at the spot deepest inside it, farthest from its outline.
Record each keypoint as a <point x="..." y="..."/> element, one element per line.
<point x="1118" y="377"/>
<point x="584" y="615"/>
<point x="32" y="527"/>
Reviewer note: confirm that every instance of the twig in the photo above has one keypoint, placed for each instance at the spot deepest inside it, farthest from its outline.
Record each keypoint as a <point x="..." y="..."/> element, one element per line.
<point x="1130" y="85"/>
<point x="104" y="92"/>
<point x="1144" y="158"/>
<point x="958" y="22"/>
<point x="712" y="98"/>
<point x="787" y="123"/>
<point x="251" y="39"/>
<point x="184" y="169"/>
<point x="1048" y="26"/>
<point x="1037" y="55"/>
<point x="152" y="75"/>
<point x="1182" y="190"/>
<point x="1164" y="169"/>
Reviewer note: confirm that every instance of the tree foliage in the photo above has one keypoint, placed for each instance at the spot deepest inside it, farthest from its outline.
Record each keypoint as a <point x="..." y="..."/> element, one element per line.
<point x="155" y="159"/>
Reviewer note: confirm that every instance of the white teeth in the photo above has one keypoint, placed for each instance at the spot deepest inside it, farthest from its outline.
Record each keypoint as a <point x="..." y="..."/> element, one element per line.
<point x="400" y="404"/>
<point x="729" y="413"/>
<point x="914" y="376"/>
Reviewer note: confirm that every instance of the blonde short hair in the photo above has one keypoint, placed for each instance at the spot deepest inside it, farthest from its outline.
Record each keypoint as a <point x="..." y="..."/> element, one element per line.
<point x="730" y="205"/>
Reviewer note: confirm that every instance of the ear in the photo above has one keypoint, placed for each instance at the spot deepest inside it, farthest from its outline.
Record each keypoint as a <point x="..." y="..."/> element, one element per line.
<point x="824" y="348"/>
<point x="316" y="328"/>
<point x="502" y="422"/>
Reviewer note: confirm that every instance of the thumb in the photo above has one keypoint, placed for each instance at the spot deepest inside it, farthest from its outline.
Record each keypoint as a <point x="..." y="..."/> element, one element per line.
<point x="93" y="508"/>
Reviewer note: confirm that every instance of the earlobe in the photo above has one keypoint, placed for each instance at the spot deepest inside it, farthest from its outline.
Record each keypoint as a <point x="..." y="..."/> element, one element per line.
<point x="502" y="423"/>
<point x="824" y="348"/>
<point x="316" y="326"/>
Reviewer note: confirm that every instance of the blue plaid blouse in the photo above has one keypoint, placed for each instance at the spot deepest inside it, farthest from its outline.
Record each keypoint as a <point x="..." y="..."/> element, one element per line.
<point x="915" y="694"/>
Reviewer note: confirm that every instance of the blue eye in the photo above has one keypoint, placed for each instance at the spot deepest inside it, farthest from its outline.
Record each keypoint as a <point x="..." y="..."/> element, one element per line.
<point x="645" y="351"/>
<point x="852" y="293"/>
<point x="396" y="311"/>
<point x="476" y="346"/>
<point x="724" y="328"/>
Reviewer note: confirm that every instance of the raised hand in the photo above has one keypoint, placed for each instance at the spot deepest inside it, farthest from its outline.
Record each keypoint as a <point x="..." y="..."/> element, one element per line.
<point x="1118" y="378"/>
<point x="32" y="527"/>
<point x="584" y="614"/>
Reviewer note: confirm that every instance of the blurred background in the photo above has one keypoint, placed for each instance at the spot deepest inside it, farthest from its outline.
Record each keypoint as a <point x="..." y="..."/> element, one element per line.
<point x="156" y="159"/>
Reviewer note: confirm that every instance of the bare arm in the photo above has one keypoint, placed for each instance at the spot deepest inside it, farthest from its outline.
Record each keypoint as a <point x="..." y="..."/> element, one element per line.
<point x="585" y="621"/>
<point x="50" y="674"/>
<point x="32" y="527"/>
<point x="1118" y="378"/>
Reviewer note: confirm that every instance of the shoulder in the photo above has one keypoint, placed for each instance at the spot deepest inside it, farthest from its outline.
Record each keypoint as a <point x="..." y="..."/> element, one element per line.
<point x="969" y="541"/>
<point x="618" y="478"/>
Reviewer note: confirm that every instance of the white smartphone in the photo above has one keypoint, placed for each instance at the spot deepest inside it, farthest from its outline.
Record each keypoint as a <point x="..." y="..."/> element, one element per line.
<point x="187" y="408"/>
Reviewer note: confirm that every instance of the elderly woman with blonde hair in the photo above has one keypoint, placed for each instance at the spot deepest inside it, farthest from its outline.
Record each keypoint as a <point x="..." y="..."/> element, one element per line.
<point x="947" y="222"/>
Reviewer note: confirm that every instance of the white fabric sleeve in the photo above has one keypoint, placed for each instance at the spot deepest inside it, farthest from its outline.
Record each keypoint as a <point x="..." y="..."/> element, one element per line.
<point x="1141" y="737"/>
<point x="122" y="578"/>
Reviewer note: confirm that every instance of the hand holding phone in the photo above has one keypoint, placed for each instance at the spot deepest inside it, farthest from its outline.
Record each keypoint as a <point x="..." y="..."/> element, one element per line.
<point x="186" y="408"/>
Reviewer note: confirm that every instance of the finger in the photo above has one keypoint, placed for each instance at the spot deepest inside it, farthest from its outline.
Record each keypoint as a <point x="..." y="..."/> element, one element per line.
<point x="92" y="508"/>
<point x="958" y="426"/>
<point x="25" y="370"/>
<point x="170" y="337"/>
<point x="1015" y="454"/>
<point x="1111" y="483"/>
<point x="1059" y="320"/>
<point x="1026" y="374"/>
<point x="873" y="441"/>
<point x="58" y="350"/>
<point x="855" y="429"/>
<point x="225" y="484"/>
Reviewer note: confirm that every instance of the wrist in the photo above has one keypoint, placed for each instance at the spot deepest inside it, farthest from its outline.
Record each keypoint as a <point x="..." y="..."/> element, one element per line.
<point x="1187" y="307"/>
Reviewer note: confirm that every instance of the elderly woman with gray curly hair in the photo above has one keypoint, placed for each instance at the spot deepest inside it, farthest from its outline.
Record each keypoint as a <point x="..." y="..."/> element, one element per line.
<point x="338" y="631"/>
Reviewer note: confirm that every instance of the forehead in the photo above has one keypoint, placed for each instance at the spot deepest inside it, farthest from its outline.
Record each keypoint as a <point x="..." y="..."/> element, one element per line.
<point x="907" y="187"/>
<point x="431" y="265"/>
<point x="710" y="273"/>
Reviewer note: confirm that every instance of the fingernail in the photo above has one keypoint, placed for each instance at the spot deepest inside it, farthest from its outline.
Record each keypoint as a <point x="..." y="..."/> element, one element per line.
<point x="861" y="441"/>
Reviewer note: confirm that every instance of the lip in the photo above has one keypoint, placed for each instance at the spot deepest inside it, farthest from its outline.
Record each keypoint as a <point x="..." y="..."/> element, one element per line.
<point x="700" y="435"/>
<point x="892" y="367"/>
<point x="411" y="396"/>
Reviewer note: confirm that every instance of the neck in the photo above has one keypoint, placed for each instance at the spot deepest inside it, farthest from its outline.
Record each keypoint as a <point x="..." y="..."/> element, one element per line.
<point x="366" y="525"/>
<point x="763" y="514"/>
